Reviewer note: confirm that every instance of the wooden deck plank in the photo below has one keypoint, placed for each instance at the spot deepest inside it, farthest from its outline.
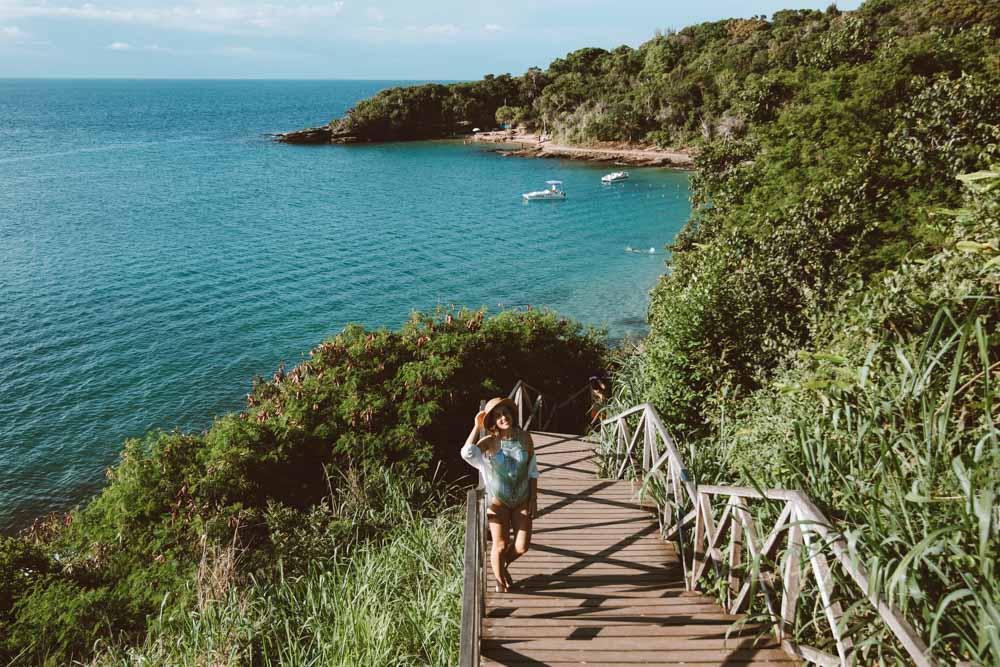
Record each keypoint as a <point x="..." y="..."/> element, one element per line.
<point x="720" y="631"/>
<point x="600" y="587"/>
<point x="507" y="655"/>
<point x="648" y="644"/>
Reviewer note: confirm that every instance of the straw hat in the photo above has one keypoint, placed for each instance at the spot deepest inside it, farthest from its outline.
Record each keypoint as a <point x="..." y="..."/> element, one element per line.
<point x="495" y="403"/>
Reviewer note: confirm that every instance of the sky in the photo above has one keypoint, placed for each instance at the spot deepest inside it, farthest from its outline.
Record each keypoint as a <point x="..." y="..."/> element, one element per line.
<point x="339" y="39"/>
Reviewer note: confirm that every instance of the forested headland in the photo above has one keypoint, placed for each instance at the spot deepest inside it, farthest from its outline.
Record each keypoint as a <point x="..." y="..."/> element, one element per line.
<point x="828" y="322"/>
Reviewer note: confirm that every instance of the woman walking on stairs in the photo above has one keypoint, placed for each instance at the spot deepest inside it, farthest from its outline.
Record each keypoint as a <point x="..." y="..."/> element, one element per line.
<point x="506" y="458"/>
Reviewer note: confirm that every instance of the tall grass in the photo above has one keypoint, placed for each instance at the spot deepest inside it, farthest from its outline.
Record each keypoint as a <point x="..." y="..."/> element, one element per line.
<point x="899" y="445"/>
<point x="908" y="464"/>
<point x="391" y="600"/>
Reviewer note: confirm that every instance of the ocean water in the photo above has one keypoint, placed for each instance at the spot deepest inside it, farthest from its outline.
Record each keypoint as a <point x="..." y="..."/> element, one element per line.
<point x="157" y="251"/>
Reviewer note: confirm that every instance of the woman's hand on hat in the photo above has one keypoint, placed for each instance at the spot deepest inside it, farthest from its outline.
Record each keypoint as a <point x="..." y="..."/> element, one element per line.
<point x="480" y="418"/>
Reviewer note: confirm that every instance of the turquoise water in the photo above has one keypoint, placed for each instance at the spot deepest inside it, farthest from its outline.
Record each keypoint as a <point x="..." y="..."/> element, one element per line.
<point x="157" y="250"/>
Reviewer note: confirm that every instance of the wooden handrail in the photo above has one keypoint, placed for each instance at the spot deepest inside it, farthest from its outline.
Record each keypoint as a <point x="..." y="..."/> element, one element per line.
<point x="474" y="584"/>
<point x="540" y="409"/>
<point x="808" y="537"/>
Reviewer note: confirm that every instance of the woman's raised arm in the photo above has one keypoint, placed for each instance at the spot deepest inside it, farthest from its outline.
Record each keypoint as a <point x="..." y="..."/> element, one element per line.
<point x="472" y="450"/>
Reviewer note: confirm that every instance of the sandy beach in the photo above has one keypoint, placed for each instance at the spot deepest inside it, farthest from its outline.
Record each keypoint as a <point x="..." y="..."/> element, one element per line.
<point x="531" y="145"/>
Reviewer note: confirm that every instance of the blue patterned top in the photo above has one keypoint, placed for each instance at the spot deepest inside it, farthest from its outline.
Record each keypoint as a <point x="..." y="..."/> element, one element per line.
<point x="506" y="473"/>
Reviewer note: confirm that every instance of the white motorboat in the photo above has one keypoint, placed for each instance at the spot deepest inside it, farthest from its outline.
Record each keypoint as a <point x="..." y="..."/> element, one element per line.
<point x="553" y="192"/>
<point x="615" y="176"/>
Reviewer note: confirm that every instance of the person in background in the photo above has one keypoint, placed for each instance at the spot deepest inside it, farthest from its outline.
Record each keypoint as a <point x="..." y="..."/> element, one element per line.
<point x="506" y="458"/>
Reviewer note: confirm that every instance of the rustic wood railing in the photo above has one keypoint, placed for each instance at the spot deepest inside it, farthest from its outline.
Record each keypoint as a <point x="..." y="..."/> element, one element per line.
<point x="541" y="411"/>
<point x="528" y="400"/>
<point x="474" y="583"/>
<point x="743" y="558"/>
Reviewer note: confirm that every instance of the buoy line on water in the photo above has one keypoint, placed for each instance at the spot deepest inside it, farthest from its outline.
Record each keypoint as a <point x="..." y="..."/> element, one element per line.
<point x="651" y="251"/>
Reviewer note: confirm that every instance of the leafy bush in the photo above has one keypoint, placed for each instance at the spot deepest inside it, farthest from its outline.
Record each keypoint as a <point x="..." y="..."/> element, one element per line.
<point x="508" y="115"/>
<point x="365" y="401"/>
<point x="830" y="185"/>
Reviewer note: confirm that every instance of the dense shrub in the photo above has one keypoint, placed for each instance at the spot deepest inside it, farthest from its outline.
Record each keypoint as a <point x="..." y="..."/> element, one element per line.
<point x="831" y="184"/>
<point x="886" y="415"/>
<point x="364" y="400"/>
<point x="829" y="319"/>
<point x="889" y="421"/>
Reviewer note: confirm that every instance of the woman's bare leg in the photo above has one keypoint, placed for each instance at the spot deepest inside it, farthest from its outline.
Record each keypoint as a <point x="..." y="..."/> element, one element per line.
<point x="499" y="520"/>
<point x="521" y="522"/>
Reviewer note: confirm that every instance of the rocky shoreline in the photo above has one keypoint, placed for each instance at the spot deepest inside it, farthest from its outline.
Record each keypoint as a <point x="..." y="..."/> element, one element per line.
<point x="627" y="157"/>
<point x="529" y="145"/>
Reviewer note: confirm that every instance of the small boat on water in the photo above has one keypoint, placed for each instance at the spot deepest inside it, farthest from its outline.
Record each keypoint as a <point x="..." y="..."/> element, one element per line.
<point x="615" y="176"/>
<point x="553" y="192"/>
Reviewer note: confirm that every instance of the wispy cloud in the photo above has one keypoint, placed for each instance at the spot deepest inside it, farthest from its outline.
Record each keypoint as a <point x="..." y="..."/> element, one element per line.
<point x="202" y="16"/>
<point x="12" y="33"/>
<point x="492" y="27"/>
<point x="226" y="51"/>
<point x="415" y="34"/>
<point x="438" y="30"/>
<point x="237" y="51"/>
<point x="126" y="46"/>
<point x="375" y="15"/>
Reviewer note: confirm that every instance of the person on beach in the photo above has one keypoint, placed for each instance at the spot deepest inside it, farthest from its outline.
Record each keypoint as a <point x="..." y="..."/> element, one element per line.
<point x="506" y="458"/>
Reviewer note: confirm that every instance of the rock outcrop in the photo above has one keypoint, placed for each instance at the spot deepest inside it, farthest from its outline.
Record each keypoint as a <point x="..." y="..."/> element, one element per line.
<point x="327" y="134"/>
<point x="309" y="135"/>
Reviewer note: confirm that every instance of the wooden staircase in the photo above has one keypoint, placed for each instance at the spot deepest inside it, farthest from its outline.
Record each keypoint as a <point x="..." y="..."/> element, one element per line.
<point x="601" y="587"/>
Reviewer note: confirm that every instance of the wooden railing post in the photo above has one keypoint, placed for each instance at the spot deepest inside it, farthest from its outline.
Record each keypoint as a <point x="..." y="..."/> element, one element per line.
<point x="483" y="532"/>
<point x="824" y="580"/>
<point x="647" y="442"/>
<point x="520" y="405"/>
<point x="473" y="599"/>
<point x="620" y="436"/>
<point x="700" y="543"/>
<point x="791" y="573"/>
<point x="735" y="554"/>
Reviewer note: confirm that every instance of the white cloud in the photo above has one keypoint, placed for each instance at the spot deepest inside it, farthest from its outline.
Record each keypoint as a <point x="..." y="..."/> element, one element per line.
<point x="492" y="27"/>
<point x="200" y="16"/>
<point x="126" y="46"/>
<point x="12" y="33"/>
<point x="374" y="14"/>
<point x="236" y="51"/>
<point x="437" y="30"/>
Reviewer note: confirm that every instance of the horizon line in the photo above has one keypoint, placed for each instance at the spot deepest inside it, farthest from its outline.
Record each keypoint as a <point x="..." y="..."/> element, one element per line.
<point x="223" y="78"/>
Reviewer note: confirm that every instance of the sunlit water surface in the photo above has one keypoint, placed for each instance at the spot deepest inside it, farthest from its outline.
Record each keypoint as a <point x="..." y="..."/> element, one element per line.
<point x="157" y="250"/>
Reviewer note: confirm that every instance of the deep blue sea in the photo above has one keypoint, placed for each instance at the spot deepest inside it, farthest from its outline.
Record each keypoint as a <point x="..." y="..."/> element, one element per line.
<point x="157" y="251"/>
